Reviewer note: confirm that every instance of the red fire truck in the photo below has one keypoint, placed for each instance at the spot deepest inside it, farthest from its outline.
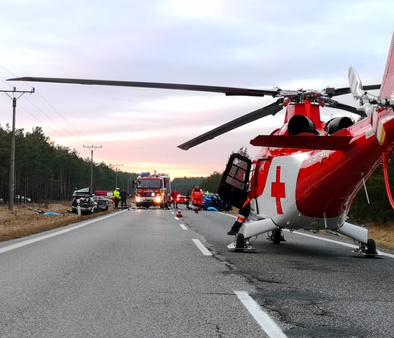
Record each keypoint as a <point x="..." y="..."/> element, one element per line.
<point x="152" y="190"/>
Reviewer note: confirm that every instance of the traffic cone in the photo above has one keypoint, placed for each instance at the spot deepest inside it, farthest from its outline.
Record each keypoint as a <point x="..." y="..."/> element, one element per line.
<point x="179" y="214"/>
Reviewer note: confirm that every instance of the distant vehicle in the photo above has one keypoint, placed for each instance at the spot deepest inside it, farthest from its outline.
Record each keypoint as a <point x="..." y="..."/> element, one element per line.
<point x="22" y="199"/>
<point x="214" y="200"/>
<point x="181" y="199"/>
<point x="102" y="203"/>
<point x="84" y="198"/>
<point x="152" y="190"/>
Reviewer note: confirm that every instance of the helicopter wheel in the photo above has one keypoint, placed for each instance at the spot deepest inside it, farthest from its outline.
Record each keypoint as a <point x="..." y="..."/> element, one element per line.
<point x="371" y="248"/>
<point x="240" y="242"/>
<point x="277" y="236"/>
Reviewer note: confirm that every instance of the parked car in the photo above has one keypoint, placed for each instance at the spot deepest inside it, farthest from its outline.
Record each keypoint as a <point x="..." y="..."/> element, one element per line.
<point x="84" y="198"/>
<point x="181" y="199"/>
<point x="214" y="200"/>
<point x="22" y="199"/>
<point x="102" y="203"/>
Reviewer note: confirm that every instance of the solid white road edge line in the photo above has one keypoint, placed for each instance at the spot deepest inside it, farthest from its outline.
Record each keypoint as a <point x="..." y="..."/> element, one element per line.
<point x="229" y="215"/>
<point x="261" y="317"/>
<point x="60" y="232"/>
<point x="202" y="247"/>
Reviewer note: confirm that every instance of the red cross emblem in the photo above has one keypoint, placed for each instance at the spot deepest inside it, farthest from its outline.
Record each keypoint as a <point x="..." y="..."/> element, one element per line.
<point x="278" y="191"/>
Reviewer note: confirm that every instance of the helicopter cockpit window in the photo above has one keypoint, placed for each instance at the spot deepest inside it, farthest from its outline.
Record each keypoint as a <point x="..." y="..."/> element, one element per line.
<point x="240" y="163"/>
<point x="234" y="184"/>
<point x="237" y="175"/>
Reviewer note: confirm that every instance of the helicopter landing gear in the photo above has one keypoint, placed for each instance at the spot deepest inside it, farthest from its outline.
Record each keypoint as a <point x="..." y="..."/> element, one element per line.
<point x="368" y="249"/>
<point x="241" y="244"/>
<point x="276" y="236"/>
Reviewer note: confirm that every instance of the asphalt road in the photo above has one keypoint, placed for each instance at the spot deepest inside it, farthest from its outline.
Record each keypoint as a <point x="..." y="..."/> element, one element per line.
<point x="148" y="273"/>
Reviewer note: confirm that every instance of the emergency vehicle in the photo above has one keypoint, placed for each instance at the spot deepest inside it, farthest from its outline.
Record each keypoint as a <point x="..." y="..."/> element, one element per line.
<point x="152" y="190"/>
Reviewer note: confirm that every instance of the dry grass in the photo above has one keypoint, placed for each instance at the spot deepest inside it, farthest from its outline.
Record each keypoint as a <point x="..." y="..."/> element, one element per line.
<point x="25" y="220"/>
<point x="382" y="234"/>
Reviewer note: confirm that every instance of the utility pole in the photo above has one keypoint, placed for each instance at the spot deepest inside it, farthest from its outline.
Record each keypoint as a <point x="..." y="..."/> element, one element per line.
<point x="12" y="95"/>
<point x="92" y="148"/>
<point x="116" y="173"/>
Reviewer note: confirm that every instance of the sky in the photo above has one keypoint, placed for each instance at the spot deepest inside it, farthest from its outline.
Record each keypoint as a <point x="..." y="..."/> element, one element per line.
<point x="233" y="43"/>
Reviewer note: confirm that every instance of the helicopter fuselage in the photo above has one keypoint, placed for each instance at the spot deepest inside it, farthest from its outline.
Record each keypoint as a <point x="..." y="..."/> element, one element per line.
<point x="314" y="189"/>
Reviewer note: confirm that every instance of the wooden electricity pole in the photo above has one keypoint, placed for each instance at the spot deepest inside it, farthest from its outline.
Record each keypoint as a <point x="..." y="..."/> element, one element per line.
<point x="14" y="97"/>
<point x="92" y="148"/>
<point x="116" y="173"/>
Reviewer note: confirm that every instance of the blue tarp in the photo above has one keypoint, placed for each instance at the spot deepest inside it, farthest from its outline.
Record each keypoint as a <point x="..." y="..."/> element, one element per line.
<point x="52" y="213"/>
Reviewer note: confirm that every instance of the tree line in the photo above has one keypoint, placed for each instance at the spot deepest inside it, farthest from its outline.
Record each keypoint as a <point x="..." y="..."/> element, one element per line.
<point x="372" y="203"/>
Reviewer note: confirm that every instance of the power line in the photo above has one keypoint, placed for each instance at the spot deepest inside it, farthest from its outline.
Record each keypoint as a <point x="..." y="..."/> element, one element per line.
<point x="88" y="139"/>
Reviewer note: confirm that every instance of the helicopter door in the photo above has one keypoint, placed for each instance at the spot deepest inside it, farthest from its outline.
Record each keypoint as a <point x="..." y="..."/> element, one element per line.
<point x="233" y="187"/>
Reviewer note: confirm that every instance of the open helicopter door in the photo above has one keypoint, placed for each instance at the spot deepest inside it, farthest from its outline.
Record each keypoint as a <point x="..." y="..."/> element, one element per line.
<point x="233" y="187"/>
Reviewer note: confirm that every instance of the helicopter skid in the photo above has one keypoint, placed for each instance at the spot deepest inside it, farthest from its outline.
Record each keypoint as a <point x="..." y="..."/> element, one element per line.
<point x="248" y="248"/>
<point x="368" y="249"/>
<point x="255" y="228"/>
<point x="361" y="253"/>
<point x="241" y="244"/>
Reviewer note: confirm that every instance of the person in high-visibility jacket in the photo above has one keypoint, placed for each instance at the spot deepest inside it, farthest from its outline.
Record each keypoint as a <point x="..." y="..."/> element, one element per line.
<point x="197" y="197"/>
<point x="117" y="197"/>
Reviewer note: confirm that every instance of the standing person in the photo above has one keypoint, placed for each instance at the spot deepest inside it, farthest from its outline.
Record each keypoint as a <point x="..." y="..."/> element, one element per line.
<point x="188" y="199"/>
<point x="123" y="198"/>
<point x="197" y="197"/>
<point x="116" y="197"/>
<point x="174" y="197"/>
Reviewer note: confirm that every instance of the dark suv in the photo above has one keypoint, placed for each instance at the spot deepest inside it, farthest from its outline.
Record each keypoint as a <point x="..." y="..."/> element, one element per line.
<point x="214" y="200"/>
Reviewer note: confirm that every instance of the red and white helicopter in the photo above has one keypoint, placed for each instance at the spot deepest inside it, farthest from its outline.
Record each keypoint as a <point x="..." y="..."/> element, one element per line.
<point x="308" y="172"/>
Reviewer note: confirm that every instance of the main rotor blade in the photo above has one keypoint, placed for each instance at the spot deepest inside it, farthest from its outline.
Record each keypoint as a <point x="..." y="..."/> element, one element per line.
<point x="351" y="109"/>
<point x="271" y="109"/>
<point x="346" y="90"/>
<point x="157" y="85"/>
